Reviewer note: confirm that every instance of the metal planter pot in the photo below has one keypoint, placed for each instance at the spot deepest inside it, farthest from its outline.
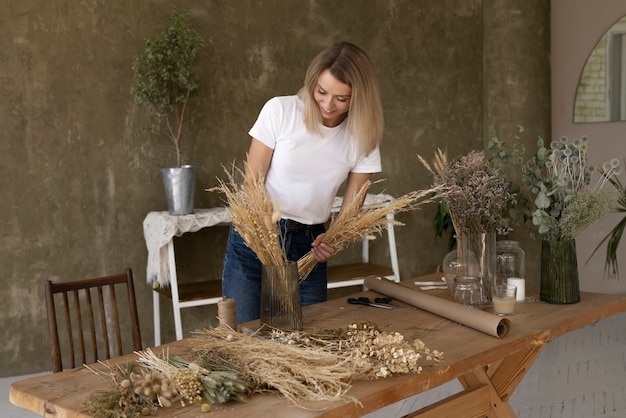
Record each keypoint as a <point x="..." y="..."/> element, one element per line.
<point x="180" y="184"/>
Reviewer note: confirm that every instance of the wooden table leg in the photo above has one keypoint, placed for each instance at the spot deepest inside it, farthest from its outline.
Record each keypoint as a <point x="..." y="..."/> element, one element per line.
<point x="507" y="374"/>
<point x="486" y="389"/>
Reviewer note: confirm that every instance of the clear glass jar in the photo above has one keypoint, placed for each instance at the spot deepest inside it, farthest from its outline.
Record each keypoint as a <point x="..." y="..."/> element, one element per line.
<point x="510" y="261"/>
<point x="468" y="291"/>
<point x="453" y="267"/>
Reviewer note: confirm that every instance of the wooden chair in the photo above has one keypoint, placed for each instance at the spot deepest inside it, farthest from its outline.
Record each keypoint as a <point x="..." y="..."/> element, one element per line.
<point x="92" y="326"/>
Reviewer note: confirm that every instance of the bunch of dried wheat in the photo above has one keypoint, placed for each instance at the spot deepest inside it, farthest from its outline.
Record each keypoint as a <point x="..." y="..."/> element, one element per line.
<point x="298" y="373"/>
<point x="255" y="217"/>
<point x="354" y="222"/>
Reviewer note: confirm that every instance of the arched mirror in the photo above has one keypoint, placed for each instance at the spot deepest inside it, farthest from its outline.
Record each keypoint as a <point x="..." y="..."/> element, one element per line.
<point x="601" y="92"/>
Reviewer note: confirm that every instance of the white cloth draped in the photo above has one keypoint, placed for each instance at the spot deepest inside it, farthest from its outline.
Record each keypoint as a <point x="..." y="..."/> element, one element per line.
<point x="160" y="228"/>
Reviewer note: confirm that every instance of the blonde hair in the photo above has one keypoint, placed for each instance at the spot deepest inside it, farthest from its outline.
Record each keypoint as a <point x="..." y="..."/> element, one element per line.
<point x="350" y="65"/>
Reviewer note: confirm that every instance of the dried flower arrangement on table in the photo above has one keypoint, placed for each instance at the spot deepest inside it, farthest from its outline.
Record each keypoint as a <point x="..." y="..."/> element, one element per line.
<point x="476" y="197"/>
<point x="558" y="201"/>
<point x="228" y="365"/>
<point x="302" y="366"/>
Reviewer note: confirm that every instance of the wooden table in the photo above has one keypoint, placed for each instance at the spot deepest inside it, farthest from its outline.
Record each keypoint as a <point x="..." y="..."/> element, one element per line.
<point x="488" y="368"/>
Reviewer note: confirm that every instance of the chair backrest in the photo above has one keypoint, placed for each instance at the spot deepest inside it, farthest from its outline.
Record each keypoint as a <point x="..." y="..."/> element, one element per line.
<point x="92" y="325"/>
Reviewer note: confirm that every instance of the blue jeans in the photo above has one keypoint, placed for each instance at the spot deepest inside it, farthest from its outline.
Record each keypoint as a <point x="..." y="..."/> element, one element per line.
<point x="241" y="277"/>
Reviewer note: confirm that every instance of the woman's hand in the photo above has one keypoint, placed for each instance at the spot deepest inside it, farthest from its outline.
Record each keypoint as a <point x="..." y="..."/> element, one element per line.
<point x="322" y="252"/>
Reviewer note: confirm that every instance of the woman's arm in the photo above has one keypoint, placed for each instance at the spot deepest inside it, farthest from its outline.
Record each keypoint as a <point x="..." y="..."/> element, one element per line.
<point x="355" y="183"/>
<point x="259" y="159"/>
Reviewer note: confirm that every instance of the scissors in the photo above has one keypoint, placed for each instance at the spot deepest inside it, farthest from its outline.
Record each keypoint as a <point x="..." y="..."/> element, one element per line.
<point x="386" y="301"/>
<point x="367" y="302"/>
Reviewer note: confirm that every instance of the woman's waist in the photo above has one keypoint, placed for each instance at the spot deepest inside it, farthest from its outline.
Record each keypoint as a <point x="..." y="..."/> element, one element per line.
<point x="293" y="225"/>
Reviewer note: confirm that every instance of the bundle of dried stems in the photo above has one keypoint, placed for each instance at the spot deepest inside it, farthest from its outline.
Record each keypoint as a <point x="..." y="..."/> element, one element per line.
<point x="354" y="222"/>
<point x="255" y="217"/>
<point x="300" y="374"/>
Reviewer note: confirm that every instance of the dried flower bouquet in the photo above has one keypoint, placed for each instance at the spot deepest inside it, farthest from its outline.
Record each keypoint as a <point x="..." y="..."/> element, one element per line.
<point x="255" y="216"/>
<point x="476" y="196"/>
<point x="140" y="388"/>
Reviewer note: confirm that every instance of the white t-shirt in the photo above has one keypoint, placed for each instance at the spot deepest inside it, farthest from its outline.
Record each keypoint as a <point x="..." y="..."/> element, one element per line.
<point x="307" y="169"/>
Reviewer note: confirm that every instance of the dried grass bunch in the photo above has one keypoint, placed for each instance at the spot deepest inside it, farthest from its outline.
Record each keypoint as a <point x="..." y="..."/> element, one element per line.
<point x="376" y="353"/>
<point x="255" y="217"/>
<point x="312" y="366"/>
<point x="300" y="374"/>
<point x="476" y="196"/>
<point x="354" y="221"/>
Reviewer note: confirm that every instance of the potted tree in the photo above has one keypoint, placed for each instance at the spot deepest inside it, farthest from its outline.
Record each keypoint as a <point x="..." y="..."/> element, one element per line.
<point x="167" y="83"/>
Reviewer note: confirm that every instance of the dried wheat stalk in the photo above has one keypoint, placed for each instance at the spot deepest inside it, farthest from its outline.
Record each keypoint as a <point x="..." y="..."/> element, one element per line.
<point x="354" y="221"/>
<point x="255" y="217"/>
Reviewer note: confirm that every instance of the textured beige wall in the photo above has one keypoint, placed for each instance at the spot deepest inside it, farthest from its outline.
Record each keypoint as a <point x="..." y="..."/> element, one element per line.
<point x="77" y="179"/>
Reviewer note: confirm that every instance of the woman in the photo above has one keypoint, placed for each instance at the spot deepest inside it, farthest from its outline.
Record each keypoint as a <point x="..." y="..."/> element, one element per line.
<point x="306" y="146"/>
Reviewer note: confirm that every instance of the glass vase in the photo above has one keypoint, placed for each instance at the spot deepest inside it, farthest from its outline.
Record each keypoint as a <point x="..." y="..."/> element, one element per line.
<point x="480" y="247"/>
<point x="510" y="261"/>
<point x="453" y="267"/>
<point x="281" y="306"/>
<point x="559" y="272"/>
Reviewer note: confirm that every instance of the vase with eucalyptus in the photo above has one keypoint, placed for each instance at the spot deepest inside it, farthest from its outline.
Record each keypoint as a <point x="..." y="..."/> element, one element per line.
<point x="557" y="202"/>
<point x="476" y="197"/>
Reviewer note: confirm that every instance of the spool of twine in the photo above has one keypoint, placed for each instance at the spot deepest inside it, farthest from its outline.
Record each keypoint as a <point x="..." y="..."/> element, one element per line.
<point x="227" y="314"/>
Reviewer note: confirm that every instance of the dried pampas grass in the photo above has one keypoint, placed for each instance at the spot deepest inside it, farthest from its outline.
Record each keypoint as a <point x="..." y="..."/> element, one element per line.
<point x="354" y="221"/>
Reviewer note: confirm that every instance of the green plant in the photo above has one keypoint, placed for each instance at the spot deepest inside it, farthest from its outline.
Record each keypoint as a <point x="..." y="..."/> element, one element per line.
<point x="167" y="77"/>
<point x="442" y="222"/>
<point x="559" y="201"/>
<point x="614" y="237"/>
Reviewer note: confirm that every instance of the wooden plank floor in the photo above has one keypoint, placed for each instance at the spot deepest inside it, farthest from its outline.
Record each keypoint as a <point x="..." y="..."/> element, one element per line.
<point x="579" y="375"/>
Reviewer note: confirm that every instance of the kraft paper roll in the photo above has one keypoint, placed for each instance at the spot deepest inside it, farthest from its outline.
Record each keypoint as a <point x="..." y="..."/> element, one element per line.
<point x="482" y="321"/>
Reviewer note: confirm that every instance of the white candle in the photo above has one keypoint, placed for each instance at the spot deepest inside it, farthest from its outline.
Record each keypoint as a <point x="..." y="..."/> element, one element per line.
<point x="520" y="284"/>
